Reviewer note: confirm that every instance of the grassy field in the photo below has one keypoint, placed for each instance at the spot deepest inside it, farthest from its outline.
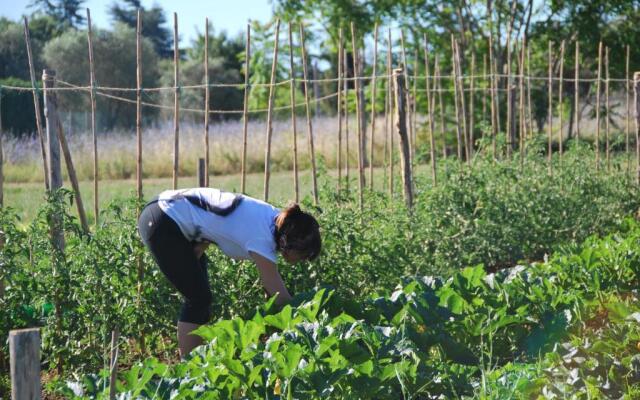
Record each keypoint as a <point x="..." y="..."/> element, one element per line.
<point x="26" y="197"/>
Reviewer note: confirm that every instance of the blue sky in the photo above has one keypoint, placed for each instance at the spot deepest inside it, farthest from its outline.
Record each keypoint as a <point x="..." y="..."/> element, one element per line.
<point x="229" y="15"/>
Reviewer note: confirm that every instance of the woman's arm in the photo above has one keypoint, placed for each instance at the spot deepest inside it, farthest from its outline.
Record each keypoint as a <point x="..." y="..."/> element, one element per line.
<point x="271" y="279"/>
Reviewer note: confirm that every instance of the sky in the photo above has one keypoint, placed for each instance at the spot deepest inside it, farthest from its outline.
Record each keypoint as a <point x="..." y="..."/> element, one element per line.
<point x="229" y="15"/>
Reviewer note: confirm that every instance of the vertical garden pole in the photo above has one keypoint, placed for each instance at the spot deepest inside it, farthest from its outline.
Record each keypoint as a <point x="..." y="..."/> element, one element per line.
<point x="345" y="82"/>
<point x="405" y="66"/>
<point x="401" y="129"/>
<point x="373" y="103"/>
<point x="312" y="151"/>
<point x="206" y="107"/>
<point x="176" y="101"/>
<point x="560" y="104"/>
<point x="576" y="91"/>
<point x="429" y="110"/>
<point x="139" y="105"/>
<point x="339" y="155"/>
<point x="272" y="88"/>
<point x="391" y="110"/>
<point x="92" y="80"/>
<point x="24" y="354"/>
<point x="296" y="188"/>
<point x="356" y="73"/>
<point x="36" y="104"/>
<point x="598" y="106"/>
<point x="484" y="88"/>
<point x="113" y="365"/>
<point x="494" y="116"/>
<point x="636" y="93"/>
<point x="438" y="78"/>
<point x="463" y="108"/>
<point x="454" y="73"/>
<point x="606" y="100"/>
<point x="529" y="108"/>
<point x="245" y="108"/>
<point x="549" y="109"/>
<point x="521" y="114"/>
<point x="627" y="83"/>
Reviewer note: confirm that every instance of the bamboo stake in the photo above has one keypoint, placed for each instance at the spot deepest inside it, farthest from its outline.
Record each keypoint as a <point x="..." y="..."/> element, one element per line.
<point x="529" y="107"/>
<point x="521" y="115"/>
<point x="494" y="116"/>
<point x="36" y="104"/>
<point x="345" y="69"/>
<point x="309" y="126"/>
<point x="636" y="94"/>
<point x="628" y="122"/>
<point x="206" y="104"/>
<point x="139" y="154"/>
<point x="454" y="72"/>
<point x="598" y="107"/>
<point x="429" y="110"/>
<point x="405" y="67"/>
<point x="358" y="116"/>
<point x="245" y="108"/>
<point x="391" y="111"/>
<point x="607" y="115"/>
<point x="113" y="365"/>
<point x="339" y="159"/>
<point x="176" y="102"/>
<point x="509" y="130"/>
<point x="436" y="71"/>
<point x="296" y="188"/>
<point x="386" y="133"/>
<point x="139" y="105"/>
<point x="463" y="109"/>
<point x="267" y="156"/>
<point x="470" y="141"/>
<point x="550" y="110"/>
<point x="560" y="104"/>
<point x="496" y="87"/>
<point x="401" y="128"/>
<point x="92" y="80"/>
<point x="576" y="90"/>
<point x="484" y="89"/>
<point x="413" y="105"/>
<point x="373" y="103"/>
<point x="1" y="181"/>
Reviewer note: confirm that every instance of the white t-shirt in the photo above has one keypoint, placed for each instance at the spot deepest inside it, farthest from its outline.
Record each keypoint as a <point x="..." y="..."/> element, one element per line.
<point x="250" y="227"/>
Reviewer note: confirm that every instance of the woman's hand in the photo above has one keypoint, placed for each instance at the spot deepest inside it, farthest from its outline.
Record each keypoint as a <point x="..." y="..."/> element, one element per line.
<point x="271" y="279"/>
<point x="200" y="248"/>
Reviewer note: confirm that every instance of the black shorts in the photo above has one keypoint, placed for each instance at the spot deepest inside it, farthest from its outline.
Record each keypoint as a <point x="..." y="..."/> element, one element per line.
<point x="176" y="258"/>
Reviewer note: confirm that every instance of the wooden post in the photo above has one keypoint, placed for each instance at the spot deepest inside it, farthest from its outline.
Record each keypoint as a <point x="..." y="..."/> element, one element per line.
<point x="576" y="90"/>
<point x="509" y="130"/>
<point x="463" y="108"/>
<point x="494" y="117"/>
<point x="432" y="106"/>
<point x="312" y="151"/>
<point x="92" y="80"/>
<point x="470" y="141"/>
<point x="521" y="115"/>
<point x="560" y="104"/>
<point x="53" y="147"/>
<point x="339" y="158"/>
<point x="391" y="111"/>
<point x="206" y="107"/>
<point x="296" y="189"/>
<point x="529" y="108"/>
<point x="413" y="104"/>
<point x="267" y="155"/>
<point x="385" y="163"/>
<point x="1" y="166"/>
<point x="484" y="88"/>
<point x="607" y="115"/>
<point x="245" y="108"/>
<point x="598" y="106"/>
<point x="627" y="83"/>
<point x="345" y="70"/>
<point x="176" y="102"/>
<point x="438" y="78"/>
<point x="454" y="73"/>
<point x="550" y="109"/>
<point x="139" y="105"/>
<point x="113" y="365"/>
<point x="36" y="104"/>
<point x="429" y="110"/>
<point x="373" y="103"/>
<point x="140" y="264"/>
<point x="356" y="74"/>
<point x="24" y="353"/>
<point x="401" y="129"/>
<point x="636" y="93"/>
<point x="405" y="66"/>
<point x="202" y="172"/>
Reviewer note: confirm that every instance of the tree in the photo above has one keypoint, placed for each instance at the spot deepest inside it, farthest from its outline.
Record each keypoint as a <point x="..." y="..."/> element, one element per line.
<point x="153" y="21"/>
<point x="66" y="13"/>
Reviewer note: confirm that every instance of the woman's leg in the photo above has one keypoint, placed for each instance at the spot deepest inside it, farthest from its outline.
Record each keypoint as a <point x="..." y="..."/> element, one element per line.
<point x="176" y="258"/>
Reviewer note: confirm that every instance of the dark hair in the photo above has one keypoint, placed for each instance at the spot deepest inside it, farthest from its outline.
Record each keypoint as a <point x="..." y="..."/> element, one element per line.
<point x="298" y="230"/>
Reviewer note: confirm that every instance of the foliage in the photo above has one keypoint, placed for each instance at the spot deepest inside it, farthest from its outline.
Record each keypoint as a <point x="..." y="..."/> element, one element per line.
<point x="153" y="21"/>
<point x="472" y="334"/>
<point x="65" y="13"/>
<point x="18" y="105"/>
